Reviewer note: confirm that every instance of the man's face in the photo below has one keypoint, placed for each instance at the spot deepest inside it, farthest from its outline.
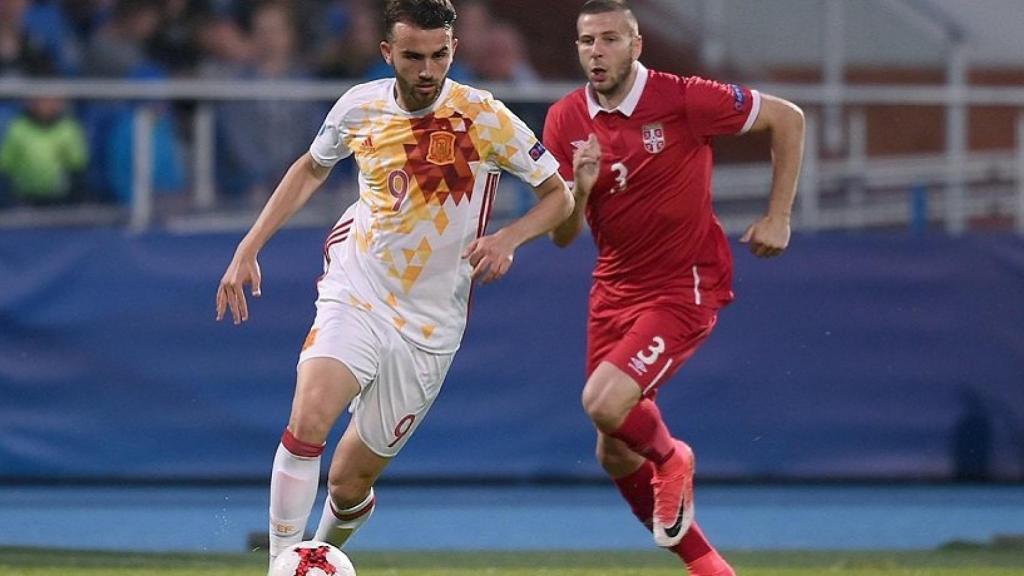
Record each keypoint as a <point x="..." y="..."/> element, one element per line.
<point x="46" y="108"/>
<point x="272" y="33"/>
<point x="421" y="59"/>
<point x="608" y="46"/>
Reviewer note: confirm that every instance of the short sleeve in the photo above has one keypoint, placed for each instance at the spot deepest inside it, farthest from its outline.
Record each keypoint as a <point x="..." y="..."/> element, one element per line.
<point x="555" y="144"/>
<point x="518" y="151"/>
<point x="715" y="109"/>
<point x="329" y="147"/>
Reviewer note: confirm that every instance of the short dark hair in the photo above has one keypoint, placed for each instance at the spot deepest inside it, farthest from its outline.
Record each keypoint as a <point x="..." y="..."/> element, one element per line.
<point x="602" y="6"/>
<point x="425" y="14"/>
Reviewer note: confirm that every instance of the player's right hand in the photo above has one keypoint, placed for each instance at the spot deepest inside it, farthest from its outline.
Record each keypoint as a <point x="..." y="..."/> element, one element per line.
<point x="490" y="256"/>
<point x="244" y="269"/>
<point x="586" y="165"/>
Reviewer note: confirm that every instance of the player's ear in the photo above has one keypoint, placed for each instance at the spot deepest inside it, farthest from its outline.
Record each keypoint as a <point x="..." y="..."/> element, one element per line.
<point x="455" y="45"/>
<point x="638" y="46"/>
<point x="385" y="51"/>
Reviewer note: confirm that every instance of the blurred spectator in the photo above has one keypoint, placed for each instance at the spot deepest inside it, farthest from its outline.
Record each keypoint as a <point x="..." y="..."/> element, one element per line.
<point x="85" y="17"/>
<point x="259" y="139"/>
<point x="330" y="20"/>
<point x="44" y="154"/>
<point x="46" y="21"/>
<point x="506" y="60"/>
<point x="225" y="49"/>
<point x="174" y="46"/>
<point x="351" y="45"/>
<point x="118" y="48"/>
<point x="21" y="53"/>
<point x="19" y="50"/>
<point x="118" y="170"/>
<point x="472" y="28"/>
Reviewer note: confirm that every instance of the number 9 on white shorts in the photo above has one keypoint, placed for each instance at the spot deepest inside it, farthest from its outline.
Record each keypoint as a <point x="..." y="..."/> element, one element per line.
<point x="398" y="382"/>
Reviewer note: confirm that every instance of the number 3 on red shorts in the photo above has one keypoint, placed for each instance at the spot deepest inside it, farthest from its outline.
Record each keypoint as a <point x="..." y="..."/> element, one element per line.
<point x="653" y="351"/>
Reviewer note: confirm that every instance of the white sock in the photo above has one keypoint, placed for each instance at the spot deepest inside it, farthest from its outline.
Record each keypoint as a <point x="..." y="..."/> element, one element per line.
<point x="337" y="526"/>
<point x="293" y="485"/>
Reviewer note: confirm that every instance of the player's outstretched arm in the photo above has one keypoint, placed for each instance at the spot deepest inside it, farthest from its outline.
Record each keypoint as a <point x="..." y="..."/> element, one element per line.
<point x="769" y="236"/>
<point x="302" y="179"/>
<point x="491" y="256"/>
<point x="586" y="164"/>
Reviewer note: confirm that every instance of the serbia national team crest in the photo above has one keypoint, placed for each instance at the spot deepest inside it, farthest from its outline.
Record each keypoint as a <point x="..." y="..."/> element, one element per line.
<point x="654" y="138"/>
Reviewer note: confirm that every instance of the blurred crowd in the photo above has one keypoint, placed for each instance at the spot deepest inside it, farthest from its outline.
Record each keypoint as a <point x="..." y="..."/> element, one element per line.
<point x="55" y="152"/>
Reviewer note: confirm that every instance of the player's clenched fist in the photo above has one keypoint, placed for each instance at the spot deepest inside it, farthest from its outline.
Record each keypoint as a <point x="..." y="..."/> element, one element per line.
<point x="490" y="256"/>
<point x="244" y="269"/>
<point x="768" y="237"/>
<point x="586" y="165"/>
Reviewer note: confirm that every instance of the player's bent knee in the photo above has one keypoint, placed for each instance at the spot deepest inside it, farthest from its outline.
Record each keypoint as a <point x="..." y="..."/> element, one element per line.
<point x="309" y="428"/>
<point x="325" y="386"/>
<point x="593" y="399"/>
<point x="602" y="416"/>
<point x="348" y="492"/>
<point x="605" y="411"/>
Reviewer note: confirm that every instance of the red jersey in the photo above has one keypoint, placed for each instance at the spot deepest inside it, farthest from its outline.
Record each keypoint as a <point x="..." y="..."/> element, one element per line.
<point x="650" y="211"/>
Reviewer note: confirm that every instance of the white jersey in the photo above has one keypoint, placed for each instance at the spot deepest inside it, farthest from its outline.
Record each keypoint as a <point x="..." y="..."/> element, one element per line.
<point x="426" y="186"/>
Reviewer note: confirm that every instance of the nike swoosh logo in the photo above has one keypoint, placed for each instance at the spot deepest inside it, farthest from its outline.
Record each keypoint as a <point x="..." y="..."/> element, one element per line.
<point x="673" y="530"/>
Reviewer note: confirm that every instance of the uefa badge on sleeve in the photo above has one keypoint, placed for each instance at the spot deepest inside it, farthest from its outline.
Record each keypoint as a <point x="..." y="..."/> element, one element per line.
<point x="654" y="138"/>
<point x="537" y="151"/>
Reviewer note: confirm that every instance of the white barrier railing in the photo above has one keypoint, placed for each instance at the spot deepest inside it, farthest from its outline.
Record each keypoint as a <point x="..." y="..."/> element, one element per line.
<point x="1020" y="172"/>
<point x="954" y="97"/>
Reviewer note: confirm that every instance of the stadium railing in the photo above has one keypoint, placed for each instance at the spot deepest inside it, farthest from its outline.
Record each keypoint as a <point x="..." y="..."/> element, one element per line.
<point x="853" y="191"/>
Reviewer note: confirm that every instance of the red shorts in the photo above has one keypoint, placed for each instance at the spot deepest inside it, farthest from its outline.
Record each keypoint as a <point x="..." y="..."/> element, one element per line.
<point x="649" y="342"/>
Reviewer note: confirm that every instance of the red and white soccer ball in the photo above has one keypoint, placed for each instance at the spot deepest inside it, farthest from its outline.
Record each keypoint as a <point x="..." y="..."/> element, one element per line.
<point x="312" y="559"/>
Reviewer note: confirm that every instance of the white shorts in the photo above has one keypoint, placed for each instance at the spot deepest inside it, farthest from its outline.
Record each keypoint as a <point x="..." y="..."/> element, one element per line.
<point x="398" y="382"/>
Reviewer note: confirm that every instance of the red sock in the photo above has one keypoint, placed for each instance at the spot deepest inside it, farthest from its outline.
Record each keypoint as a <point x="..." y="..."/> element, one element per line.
<point x="300" y="447"/>
<point x="636" y="489"/>
<point x="645" y="433"/>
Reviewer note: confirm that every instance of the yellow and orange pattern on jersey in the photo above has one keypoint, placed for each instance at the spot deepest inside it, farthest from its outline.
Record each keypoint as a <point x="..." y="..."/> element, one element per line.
<point x="427" y="181"/>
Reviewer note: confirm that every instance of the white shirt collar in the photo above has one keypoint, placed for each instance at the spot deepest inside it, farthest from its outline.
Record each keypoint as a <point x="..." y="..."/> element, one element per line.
<point x="629" y="103"/>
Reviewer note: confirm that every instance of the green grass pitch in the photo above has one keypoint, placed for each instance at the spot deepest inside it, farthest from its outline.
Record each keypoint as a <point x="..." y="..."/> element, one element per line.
<point x="964" y="562"/>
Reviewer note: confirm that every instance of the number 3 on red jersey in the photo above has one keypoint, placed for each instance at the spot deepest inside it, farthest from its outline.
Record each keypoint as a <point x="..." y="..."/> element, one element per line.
<point x="621" y="177"/>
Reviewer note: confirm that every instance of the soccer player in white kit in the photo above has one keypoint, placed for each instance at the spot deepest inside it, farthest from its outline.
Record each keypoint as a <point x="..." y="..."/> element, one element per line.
<point x="398" y="266"/>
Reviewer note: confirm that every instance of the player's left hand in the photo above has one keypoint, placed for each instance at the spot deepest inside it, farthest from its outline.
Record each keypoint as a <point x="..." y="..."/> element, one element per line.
<point x="490" y="256"/>
<point x="244" y="269"/>
<point x="768" y="237"/>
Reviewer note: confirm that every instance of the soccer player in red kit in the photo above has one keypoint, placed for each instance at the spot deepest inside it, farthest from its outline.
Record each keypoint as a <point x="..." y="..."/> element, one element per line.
<point x="636" y="143"/>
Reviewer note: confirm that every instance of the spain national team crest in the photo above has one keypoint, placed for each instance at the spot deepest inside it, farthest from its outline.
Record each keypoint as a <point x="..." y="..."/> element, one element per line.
<point x="441" y="150"/>
<point x="654" y="138"/>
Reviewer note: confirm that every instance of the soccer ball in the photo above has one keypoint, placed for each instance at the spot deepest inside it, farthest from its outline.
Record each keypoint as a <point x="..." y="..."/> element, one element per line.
<point x="312" y="559"/>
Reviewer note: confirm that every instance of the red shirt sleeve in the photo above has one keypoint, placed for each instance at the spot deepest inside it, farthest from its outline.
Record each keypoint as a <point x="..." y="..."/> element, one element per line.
<point x="714" y="108"/>
<point x="556" y="142"/>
